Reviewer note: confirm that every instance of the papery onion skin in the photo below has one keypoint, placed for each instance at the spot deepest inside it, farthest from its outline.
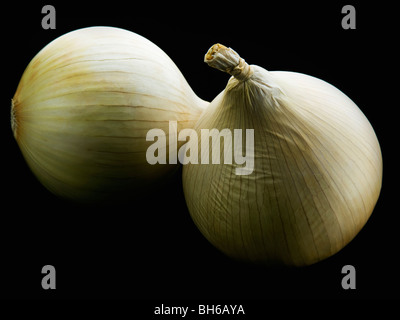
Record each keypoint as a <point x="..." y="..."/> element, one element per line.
<point x="84" y="105"/>
<point x="317" y="171"/>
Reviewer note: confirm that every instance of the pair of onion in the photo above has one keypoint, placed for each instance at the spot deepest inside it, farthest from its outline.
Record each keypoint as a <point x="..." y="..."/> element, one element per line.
<point x="86" y="102"/>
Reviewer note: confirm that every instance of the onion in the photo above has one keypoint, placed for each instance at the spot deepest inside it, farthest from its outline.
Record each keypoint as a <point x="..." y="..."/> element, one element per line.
<point x="84" y="105"/>
<point x="317" y="167"/>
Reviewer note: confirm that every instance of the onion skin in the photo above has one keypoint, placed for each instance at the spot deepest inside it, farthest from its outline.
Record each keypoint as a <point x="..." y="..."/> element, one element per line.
<point x="317" y="170"/>
<point x="84" y="105"/>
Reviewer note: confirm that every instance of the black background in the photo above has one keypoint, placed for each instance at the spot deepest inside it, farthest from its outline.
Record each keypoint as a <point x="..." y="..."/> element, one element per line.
<point x="151" y="249"/>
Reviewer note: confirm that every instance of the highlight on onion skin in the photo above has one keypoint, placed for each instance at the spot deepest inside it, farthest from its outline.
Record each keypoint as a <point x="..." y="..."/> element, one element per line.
<point x="317" y="167"/>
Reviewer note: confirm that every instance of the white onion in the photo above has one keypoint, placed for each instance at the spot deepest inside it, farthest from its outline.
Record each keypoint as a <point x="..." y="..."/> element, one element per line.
<point x="317" y="167"/>
<point x="84" y="105"/>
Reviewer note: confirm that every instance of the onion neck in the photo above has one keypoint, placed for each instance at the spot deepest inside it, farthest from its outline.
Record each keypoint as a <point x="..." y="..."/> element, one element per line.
<point x="227" y="60"/>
